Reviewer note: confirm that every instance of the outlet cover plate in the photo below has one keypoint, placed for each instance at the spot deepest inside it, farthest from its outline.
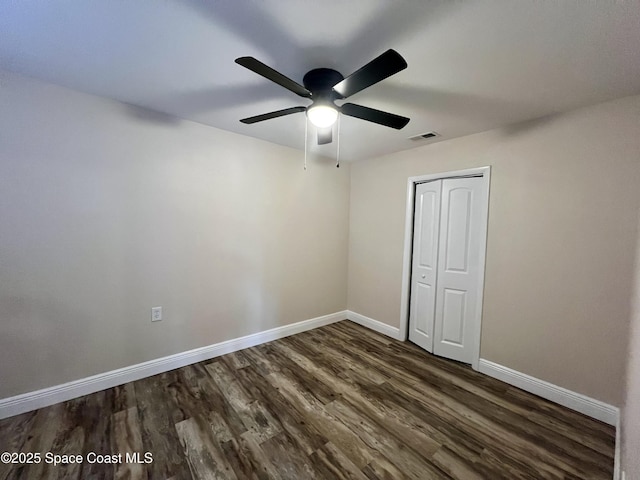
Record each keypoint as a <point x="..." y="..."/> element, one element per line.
<point x="156" y="314"/>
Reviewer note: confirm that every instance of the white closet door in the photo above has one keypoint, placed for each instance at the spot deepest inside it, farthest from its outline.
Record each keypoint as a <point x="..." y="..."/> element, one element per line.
<point x="458" y="271"/>
<point x="426" y="228"/>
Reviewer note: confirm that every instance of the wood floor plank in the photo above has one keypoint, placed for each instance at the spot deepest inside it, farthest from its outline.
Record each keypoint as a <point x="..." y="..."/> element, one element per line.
<point x="337" y="361"/>
<point x="509" y="414"/>
<point x="236" y="360"/>
<point x="70" y="443"/>
<point x="93" y="414"/>
<point x="13" y="435"/>
<point x="126" y="437"/>
<point x="210" y="397"/>
<point x="332" y="463"/>
<point x="250" y="444"/>
<point x="307" y="437"/>
<point x="551" y="428"/>
<point x="48" y="423"/>
<point x="155" y="407"/>
<point x="506" y="415"/>
<point x="355" y="330"/>
<point x="374" y="357"/>
<point x="417" y="422"/>
<point x="338" y="402"/>
<point x="404" y="425"/>
<point x="206" y="460"/>
<point x="124" y="397"/>
<point x="377" y="413"/>
<point x="568" y="419"/>
<point x="417" y="466"/>
<point x="482" y="429"/>
<point x="281" y="452"/>
<point x="255" y="417"/>
<point x="258" y="356"/>
<point x="297" y="368"/>
<point x="381" y="469"/>
<point x="330" y="427"/>
<point x="454" y="465"/>
<point x="235" y="451"/>
<point x="410" y="374"/>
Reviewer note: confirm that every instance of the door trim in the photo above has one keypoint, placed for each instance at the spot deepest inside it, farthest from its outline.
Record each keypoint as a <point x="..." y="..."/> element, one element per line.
<point x="485" y="174"/>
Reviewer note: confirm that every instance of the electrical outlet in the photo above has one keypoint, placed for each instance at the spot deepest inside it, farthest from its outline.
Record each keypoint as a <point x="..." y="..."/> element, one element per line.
<point x="624" y="476"/>
<point x="156" y="314"/>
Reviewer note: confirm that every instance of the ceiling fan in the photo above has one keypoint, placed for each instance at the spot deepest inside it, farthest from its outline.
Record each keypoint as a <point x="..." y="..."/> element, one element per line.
<point x="323" y="86"/>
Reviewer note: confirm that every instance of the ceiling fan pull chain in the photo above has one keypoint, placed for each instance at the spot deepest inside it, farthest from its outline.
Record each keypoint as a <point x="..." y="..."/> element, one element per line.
<point x="306" y="130"/>
<point x="338" y="146"/>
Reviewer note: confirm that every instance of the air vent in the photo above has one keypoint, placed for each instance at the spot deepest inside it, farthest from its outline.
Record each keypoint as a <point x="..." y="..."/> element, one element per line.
<point x="424" y="136"/>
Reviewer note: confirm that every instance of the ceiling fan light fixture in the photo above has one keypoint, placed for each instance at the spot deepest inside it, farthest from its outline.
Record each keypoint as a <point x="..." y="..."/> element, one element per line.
<point x="322" y="116"/>
<point x="323" y="86"/>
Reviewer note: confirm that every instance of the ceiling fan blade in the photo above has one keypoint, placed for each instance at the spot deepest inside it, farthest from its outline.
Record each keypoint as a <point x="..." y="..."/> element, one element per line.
<point x="270" y="115"/>
<point x="269" y="73"/>
<point x="387" y="64"/>
<point x="325" y="135"/>
<point x="373" y="115"/>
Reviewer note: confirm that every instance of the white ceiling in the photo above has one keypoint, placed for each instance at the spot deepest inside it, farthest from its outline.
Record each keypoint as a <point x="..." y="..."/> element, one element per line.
<point x="473" y="65"/>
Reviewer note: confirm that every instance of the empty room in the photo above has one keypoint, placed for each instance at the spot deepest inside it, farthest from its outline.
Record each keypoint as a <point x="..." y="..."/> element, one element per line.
<point x="292" y="239"/>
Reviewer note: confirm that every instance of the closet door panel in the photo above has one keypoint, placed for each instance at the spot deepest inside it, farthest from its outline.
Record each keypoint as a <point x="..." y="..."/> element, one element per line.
<point x="453" y="313"/>
<point x="426" y="233"/>
<point x="458" y="268"/>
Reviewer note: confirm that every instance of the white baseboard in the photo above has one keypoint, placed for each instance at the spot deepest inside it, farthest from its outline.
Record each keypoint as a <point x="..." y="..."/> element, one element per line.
<point x="60" y="393"/>
<point x="375" y="325"/>
<point x="575" y="401"/>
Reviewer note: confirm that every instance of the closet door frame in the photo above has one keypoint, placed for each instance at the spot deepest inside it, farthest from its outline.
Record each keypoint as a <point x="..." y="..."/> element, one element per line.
<point x="485" y="174"/>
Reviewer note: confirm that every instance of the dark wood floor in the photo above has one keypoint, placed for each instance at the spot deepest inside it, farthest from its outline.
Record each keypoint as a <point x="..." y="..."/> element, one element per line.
<point x="337" y="402"/>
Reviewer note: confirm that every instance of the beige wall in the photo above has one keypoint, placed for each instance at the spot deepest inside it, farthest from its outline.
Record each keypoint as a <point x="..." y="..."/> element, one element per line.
<point x="106" y="211"/>
<point x="631" y="412"/>
<point x="561" y="239"/>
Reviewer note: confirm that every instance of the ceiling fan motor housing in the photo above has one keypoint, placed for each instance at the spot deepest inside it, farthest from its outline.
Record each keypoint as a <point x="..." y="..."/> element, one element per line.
<point x="320" y="82"/>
